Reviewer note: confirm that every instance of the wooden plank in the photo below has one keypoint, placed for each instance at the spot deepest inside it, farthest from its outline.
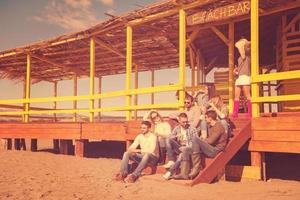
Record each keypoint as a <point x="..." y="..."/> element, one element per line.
<point x="234" y="172"/>
<point x="267" y="146"/>
<point x="276" y="123"/>
<point x="213" y="168"/>
<point x="103" y="131"/>
<point x="41" y="130"/>
<point x="280" y="136"/>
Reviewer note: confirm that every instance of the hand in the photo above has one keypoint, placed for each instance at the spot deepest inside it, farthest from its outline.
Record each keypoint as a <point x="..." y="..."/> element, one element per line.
<point x="235" y="70"/>
<point x="181" y="149"/>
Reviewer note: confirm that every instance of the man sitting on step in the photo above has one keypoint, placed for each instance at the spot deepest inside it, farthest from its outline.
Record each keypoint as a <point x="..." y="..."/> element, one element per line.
<point x="146" y="155"/>
<point x="211" y="146"/>
<point x="180" y="142"/>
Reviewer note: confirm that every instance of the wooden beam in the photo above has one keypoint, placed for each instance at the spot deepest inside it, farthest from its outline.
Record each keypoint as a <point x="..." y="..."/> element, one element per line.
<point x="220" y="35"/>
<point x="109" y="47"/>
<point x="193" y="36"/>
<point x="297" y="17"/>
<point x="46" y="60"/>
<point x="210" y="65"/>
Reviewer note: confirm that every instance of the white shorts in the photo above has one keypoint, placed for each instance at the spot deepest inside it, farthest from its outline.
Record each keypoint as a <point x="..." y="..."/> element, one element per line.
<point x="243" y="80"/>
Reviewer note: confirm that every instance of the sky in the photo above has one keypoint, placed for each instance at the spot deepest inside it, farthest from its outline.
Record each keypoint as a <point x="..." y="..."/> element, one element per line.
<point x="26" y="21"/>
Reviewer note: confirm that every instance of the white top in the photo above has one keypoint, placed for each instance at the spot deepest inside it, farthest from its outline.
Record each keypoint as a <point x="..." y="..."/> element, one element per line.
<point x="162" y="129"/>
<point x="147" y="142"/>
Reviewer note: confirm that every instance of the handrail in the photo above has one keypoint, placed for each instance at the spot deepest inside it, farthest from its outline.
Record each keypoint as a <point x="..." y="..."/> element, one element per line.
<point x="107" y="109"/>
<point x="155" y="89"/>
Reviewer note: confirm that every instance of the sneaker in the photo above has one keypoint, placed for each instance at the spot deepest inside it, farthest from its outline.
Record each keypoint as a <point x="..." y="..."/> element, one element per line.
<point x="131" y="178"/>
<point x="169" y="164"/>
<point x="167" y="175"/>
<point x="120" y="177"/>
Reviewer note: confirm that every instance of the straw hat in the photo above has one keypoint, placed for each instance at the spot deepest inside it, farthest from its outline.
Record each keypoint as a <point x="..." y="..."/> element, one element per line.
<point x="243" y="45"/>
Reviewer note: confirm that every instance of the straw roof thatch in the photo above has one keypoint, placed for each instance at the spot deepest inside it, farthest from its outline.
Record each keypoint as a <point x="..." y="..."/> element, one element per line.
<point x="155" y="43"/>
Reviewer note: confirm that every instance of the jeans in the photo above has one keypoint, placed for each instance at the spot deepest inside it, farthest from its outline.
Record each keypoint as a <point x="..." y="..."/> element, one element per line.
<point x="161" y="141"/>
<point x="203" y="129"/>
<point x="225" y="124"/>
<point x="142" y="158"/>
<point x="200" y="146"/>
<point x="183" y="156"/>
<point x="172" y="146"/>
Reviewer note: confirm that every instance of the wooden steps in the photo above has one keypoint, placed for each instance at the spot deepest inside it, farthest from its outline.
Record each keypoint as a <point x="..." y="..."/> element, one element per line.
<point x="215" y="165"/>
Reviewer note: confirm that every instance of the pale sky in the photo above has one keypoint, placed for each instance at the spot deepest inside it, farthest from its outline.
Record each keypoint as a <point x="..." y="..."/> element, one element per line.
<point x="26" y="21"/>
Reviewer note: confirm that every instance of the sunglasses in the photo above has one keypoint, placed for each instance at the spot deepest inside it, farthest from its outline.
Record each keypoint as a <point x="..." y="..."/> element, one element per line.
<point x="187" y="102"/>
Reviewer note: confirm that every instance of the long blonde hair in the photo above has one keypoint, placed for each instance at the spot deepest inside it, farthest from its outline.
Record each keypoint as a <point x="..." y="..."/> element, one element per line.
<point x="217" y="101"/>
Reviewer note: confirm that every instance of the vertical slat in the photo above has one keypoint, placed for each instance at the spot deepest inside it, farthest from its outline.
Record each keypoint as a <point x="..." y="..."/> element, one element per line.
<point x="128" y="67"/>
<point x="92" y="77"/>
<point x="182" y="55"/>
<point x="231" y="66"/>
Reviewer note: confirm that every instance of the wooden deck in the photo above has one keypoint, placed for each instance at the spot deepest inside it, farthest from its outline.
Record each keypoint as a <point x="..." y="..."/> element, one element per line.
<point x="268" y="133"/>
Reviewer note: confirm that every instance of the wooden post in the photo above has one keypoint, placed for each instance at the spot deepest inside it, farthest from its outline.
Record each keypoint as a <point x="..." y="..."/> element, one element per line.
<point x="152" y="84"/>
<point x="92" y="77"/>
<point x="75" y="86"/>
<point x="256" y="158"/>
<point x="128" y="68"/>
<point x="55" y="141"/>
<point x="99" y="91"/>
<point x="231" y="66"/>
<point x="182" y="55"/>
<point x="254" y="54"/>
<point x="193" y="77"/>
<point x="136" y="85"/>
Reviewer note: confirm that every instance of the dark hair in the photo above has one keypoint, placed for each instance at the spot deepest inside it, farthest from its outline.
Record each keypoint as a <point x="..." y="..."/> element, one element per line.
<point x="211" y="90"/>
<point x="147" y="123"/>
<point x="212" y="114"/>
<point x="183" y="115"/>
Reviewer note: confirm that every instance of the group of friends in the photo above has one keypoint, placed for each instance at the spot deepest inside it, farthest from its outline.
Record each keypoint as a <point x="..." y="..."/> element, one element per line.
<point x="201" y="130"/>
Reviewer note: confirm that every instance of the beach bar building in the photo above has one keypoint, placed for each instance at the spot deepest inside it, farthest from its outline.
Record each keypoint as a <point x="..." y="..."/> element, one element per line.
<point x="195" y="35"/>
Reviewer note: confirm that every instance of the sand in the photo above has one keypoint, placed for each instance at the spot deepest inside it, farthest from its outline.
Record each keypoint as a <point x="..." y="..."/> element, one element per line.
<point x="43" y="175"/>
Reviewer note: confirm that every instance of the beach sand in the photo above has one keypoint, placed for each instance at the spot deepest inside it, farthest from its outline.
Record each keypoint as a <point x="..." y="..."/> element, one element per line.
<point x="43" y="175"/>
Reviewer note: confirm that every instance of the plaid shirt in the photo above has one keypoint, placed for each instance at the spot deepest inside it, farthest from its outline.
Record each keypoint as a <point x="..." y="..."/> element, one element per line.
<point x="191" y="132"/>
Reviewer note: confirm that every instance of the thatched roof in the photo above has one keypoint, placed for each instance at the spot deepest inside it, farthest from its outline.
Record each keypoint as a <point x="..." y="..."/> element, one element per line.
<point x="155" y="43"/>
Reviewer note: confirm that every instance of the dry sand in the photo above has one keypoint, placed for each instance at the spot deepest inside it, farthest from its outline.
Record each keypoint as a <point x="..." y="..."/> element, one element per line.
<point x="41" y="175"/>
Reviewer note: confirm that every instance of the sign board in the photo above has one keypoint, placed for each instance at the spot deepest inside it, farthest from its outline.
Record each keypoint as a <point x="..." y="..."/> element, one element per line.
<point x="225" y="12"/>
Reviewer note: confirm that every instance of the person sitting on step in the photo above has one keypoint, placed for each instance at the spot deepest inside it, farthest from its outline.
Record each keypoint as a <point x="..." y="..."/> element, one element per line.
<point x="146" y="155"/>
<point x="162" y="130"/>
<point x="211" y="146"/>
<point x="217" y="104"/>
<point x="180" y="142"/>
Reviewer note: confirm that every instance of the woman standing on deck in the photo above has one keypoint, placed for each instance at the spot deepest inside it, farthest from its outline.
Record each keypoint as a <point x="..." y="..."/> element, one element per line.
<point x="243" y="81"/>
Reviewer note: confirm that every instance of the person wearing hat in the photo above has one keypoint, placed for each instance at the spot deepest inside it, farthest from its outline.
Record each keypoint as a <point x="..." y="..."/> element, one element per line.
<point x="243" y="81"/>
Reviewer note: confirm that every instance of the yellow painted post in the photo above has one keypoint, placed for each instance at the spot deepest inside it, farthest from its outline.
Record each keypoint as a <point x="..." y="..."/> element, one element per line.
<point x="152" y="85"/>
<point x="231" y="66"/>
<point x="254" y="54"/>
<point x="55" y="103"/>
<point x="182" y="55"/>
<point x="92" y="77"/>
<point x="256" y="157"/>
<point x="99" y="91"/>
<point x="128" y="67"/>
<point x="27" y="86"/>
<point x="55" y="141"/>
<point x="75" y="86"/>
<point x="136" y="85"/>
